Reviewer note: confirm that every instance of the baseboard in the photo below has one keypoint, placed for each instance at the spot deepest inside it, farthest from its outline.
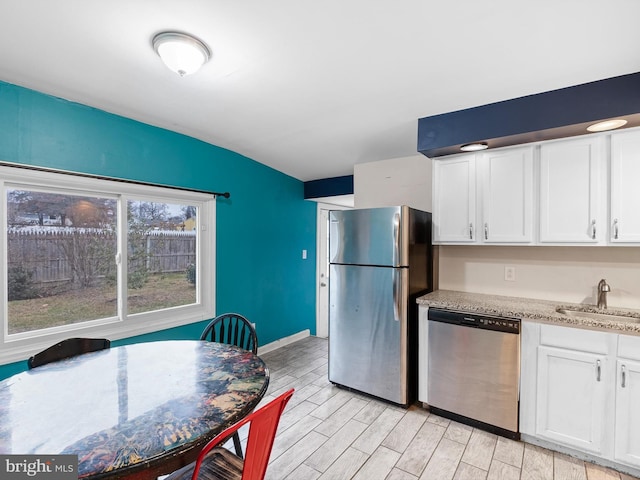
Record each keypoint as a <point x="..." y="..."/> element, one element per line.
<point x="269" y="347"/>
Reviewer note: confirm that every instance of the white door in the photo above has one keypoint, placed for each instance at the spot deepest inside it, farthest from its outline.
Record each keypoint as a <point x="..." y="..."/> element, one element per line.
<point x="571" y="398"/>
<point x="322" y="269"/>
<point x="625" y="194"/>
<point x="571" y="185"/>
<point x="627" y="430"/>
<point x="507" y="193"/>
<point x="454" y="200"/>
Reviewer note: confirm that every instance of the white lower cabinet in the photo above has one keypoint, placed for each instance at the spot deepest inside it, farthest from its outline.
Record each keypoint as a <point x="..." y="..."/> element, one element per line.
<point x="581" y="389"/>
<point x="571" y="398"/>
<point x="627" y="429"/>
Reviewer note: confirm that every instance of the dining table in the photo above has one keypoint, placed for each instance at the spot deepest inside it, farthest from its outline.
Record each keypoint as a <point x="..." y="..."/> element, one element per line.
<point x="134" y="411"/>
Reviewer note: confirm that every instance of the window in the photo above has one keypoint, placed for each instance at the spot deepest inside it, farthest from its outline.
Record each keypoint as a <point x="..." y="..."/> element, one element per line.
<point x="92" y="257"/>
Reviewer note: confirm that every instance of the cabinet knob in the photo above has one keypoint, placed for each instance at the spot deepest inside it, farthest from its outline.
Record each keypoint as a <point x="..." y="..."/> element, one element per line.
<point x="598" y="370"/>
<point x="486" y="231"/>
<point x="471" y="231"/>
<point x="615" y="228"/>
<point x="623" y="376"/>
<point x="593" y="229"/>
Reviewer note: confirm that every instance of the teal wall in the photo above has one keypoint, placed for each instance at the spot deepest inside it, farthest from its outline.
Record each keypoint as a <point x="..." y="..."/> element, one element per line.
<point x="261" y="230"/>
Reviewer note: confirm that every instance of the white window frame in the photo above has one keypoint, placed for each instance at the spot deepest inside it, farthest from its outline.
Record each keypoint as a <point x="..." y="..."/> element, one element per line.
<point x="16" y="347"/>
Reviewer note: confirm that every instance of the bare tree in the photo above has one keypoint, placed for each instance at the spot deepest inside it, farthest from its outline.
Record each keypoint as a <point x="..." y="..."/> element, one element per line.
<point x="90" y="255"/>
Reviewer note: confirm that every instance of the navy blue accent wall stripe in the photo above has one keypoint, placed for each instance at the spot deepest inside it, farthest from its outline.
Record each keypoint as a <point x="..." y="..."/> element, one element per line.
<point x="553" y="114"/>
<point x="329" y="187"/>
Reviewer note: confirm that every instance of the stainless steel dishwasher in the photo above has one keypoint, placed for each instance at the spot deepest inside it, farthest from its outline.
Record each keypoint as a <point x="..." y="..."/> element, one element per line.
<point x="474" y="369"/>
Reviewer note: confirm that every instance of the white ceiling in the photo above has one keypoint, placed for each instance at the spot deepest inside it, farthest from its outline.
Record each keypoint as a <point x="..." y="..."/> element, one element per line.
<point x="311" y="88"/>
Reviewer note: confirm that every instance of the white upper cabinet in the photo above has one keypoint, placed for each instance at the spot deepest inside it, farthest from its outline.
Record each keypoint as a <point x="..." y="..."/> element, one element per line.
<point x="454" y="200"/>
<point x="507" y="195"/>
<point x="572" y="206"/>
<point x="484" y="198"/>
<point x="579" y="191"/>
<point x="625" y="189"/>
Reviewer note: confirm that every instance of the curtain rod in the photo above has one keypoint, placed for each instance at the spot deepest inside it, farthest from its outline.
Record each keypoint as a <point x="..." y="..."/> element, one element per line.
<point x="113" y="179"/>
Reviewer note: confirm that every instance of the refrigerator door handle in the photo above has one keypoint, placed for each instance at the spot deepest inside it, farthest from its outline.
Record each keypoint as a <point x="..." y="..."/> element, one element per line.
<point x="396" y="239"/>
<point x="398" y="295"/>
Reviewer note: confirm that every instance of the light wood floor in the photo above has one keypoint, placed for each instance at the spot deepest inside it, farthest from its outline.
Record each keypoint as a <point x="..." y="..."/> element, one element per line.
<point x="330" y="433"/>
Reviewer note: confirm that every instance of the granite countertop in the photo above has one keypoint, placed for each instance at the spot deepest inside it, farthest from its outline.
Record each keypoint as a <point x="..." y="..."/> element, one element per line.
<point x="530" y="309"/>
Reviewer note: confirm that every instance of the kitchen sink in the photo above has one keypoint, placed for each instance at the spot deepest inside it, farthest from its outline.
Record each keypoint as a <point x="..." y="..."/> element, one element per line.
<point x="613" y="316"/>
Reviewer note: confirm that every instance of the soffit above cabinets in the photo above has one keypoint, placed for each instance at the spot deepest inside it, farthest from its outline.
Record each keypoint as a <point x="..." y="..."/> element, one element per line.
<point x="559" y="113"/>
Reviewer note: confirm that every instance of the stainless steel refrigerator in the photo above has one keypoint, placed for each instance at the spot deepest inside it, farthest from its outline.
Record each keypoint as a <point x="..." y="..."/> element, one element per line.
<point x="380" y="261"/>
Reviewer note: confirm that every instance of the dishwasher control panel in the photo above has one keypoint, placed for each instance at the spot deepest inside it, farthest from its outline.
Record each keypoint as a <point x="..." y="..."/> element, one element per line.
<point x="475" y="320"/>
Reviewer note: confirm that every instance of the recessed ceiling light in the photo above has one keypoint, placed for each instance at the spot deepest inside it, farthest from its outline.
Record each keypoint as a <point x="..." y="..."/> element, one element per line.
<point x="180" y="52"/>
<point x="474" y="147"/>
<point x="607" y="125"/>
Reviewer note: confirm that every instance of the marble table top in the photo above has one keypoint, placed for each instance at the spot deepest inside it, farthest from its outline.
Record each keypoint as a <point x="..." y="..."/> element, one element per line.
<point x="134" y="411"/>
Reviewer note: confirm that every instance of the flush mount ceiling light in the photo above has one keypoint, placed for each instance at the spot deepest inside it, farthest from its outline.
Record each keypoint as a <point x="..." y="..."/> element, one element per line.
<point x="180" y="52"/>
<point x="607" y="125"/>
<point x="474" y="147"/>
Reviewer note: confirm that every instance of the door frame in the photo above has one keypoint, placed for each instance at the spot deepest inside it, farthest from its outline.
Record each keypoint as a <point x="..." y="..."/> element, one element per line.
<point x="322" y="266"/>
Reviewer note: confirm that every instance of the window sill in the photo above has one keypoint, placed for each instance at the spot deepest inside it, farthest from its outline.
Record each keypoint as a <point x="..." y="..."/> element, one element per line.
<point x="20" y="349"/>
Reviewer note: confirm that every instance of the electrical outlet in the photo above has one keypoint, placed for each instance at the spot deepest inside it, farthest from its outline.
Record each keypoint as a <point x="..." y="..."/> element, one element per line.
<point x="510" y="273"/>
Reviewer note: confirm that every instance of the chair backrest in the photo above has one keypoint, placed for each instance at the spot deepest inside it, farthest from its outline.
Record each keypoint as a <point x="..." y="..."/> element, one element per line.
<point x="262" y="433"/>
<point x="68" y="348"/>
<point x="232" y="329"/>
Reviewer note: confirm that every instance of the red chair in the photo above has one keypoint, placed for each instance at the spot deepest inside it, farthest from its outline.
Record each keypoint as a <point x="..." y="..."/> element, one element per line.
<point x="217" y="463"/>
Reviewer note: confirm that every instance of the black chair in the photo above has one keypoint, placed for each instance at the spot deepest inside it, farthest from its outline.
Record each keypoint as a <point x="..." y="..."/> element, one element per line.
<point x="68" y="348"/>
<point x="232" y="329"/>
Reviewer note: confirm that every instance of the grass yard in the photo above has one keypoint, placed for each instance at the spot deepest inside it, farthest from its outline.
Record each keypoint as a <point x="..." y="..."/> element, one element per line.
<point x="161" y="291"/>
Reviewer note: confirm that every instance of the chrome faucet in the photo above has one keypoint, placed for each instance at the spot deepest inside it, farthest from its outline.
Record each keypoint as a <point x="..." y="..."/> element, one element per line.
<point x="603" y="288"/>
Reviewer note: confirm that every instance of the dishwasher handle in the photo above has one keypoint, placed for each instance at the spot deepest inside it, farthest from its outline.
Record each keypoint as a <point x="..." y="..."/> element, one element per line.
<point x="470" y="322"/>
<point x="445" y="316"/>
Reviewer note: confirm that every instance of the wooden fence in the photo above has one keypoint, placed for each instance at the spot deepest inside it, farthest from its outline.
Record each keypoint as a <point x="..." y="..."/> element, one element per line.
<point x="59" y="256"/>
